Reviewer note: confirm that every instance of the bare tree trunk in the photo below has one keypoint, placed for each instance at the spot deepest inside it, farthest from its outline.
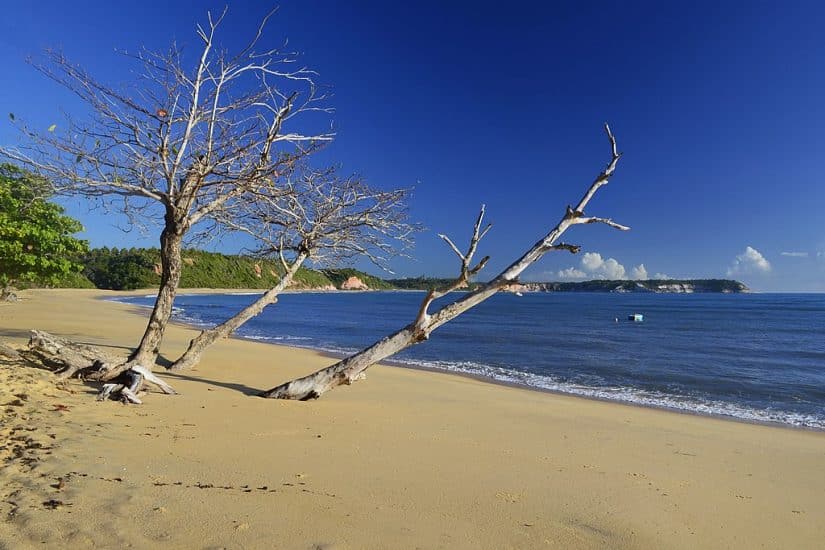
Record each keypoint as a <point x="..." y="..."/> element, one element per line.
<point x="207" y="337"/>
<point x="353" y="368"/>
<point x="171" y="240"/>
<point x="64" y="357"/>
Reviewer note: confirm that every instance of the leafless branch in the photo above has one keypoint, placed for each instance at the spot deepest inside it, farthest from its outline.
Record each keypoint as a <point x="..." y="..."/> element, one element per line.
<point x="183" y="144"/>
<point x="331" y="218"/>
<point x="353" y="367"/>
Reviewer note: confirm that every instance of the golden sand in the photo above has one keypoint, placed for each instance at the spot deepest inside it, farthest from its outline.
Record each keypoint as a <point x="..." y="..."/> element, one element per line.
<point x="406" y="459"/>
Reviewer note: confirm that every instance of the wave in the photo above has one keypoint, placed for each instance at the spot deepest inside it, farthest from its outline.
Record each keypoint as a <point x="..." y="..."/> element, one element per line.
<point x="286" y="338"/>
<point x="625" y="394"/>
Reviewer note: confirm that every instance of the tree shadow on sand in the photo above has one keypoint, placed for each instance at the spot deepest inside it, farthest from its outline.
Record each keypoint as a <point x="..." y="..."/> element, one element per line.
<point x="246" y="390"/>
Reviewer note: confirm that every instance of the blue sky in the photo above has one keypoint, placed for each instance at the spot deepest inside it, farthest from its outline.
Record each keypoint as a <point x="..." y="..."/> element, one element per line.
<point x="717" y="106"/>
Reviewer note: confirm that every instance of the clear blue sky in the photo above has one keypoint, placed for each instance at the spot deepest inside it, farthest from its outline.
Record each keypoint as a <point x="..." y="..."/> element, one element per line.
<point x="718" y="107"/>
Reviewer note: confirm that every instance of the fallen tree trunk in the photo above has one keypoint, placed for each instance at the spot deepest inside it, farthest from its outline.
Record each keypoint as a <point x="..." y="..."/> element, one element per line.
<point x="68" y="359"/>
<point x="206" y="338"/>
<point x="353" y="368"/>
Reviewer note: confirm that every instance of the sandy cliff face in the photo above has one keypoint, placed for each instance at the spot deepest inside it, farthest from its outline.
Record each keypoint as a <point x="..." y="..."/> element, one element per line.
<point x="354" y="283"/>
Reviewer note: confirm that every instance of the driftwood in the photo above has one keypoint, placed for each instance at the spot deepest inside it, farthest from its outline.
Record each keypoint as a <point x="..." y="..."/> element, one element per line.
<point x="352" y="368"/>
<point x="68" y="359"/>
<point x="9" y="353"/>
<point x="7" y="294"/>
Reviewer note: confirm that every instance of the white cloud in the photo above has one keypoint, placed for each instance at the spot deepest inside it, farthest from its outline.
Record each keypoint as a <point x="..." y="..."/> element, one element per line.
<point x="593" y="266"/>
<point x="795" y="254"/>
<point x="662" y="276"/>
<point x="749" y="261"/>
<point x="591" y="261"/>
<point x="639" y="272"/>
<point x="571" y="274"/>
<point x="602" y="269"/>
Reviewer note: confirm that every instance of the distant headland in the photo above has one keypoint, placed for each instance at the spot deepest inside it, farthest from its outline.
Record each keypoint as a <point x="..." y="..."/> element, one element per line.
<point x="134" y="268"/>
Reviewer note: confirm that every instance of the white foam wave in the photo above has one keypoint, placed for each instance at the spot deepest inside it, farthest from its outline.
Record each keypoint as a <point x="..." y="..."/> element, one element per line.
<point x="284" y="338"/>
<point x="629" y="395"/>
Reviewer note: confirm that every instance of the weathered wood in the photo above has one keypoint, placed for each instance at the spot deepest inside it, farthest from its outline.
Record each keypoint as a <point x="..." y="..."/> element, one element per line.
<point x="108" y="390"/>
<point x="9" y="352"/>
<point x="150" y="377"/>
<point x="7" y="294"/>
<point x="316" y="214"/>
<point x="130" y="383"/>
<point x="128" y="396"/>
<point x="350" y="369"/>
<point x="207" y="337"/>
<point x="65" y="357"/>
<point x="68" y="358"/>
<point x="171" y="242"/>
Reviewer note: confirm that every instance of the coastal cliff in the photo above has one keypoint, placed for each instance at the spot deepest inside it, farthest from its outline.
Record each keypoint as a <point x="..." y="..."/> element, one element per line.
<point x="667" y="286"/>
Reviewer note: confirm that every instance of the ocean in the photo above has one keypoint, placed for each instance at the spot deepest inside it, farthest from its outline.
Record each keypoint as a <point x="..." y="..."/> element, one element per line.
<point x="756" y="357"/>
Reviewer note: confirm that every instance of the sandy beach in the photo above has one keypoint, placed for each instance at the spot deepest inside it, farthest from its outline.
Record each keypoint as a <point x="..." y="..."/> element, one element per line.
<point x="406" y="459"/>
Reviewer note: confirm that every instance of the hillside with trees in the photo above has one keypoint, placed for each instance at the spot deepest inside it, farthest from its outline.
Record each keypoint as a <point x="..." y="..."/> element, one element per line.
<point x="134" y="268"/>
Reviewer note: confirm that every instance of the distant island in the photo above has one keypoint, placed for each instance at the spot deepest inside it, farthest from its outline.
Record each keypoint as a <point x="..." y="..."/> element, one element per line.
<point x="134" y="268"/>
<point x="673" y="286"/>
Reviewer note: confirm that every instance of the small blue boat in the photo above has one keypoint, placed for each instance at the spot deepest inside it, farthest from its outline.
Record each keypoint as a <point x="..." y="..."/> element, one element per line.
<point x="636" y="317"/>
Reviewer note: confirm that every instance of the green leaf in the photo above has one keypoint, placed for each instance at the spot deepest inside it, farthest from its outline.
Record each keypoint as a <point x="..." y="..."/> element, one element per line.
<point x="52" y="127"/>
<point x="36" y="238"/>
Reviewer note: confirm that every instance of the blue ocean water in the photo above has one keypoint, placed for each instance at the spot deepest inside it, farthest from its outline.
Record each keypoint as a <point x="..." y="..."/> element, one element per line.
<point x="758" y="357"/>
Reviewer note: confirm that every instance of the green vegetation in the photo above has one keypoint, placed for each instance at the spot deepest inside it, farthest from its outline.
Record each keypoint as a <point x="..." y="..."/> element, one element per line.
<point x="426" y="283"/>
<point x="36" y="242"/>
<point x="125" y="269"/>
<point x="132" y="268"/>
<point x="129" y="269"/>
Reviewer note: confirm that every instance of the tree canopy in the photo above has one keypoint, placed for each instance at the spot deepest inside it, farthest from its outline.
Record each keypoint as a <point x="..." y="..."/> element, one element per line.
<point x="36" y="237"/>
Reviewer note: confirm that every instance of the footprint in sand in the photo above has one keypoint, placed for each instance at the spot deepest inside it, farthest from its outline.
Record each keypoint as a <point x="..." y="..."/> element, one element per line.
<point x="509" y="497"/>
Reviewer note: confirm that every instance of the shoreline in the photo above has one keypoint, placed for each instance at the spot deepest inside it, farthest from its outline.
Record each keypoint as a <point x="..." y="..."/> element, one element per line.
<point x="396" y="363"/>
<point x="405" y="459"/>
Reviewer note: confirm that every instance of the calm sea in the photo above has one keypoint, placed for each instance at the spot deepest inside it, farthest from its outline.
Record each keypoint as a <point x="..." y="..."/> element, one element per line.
<point x="758" y="357"/>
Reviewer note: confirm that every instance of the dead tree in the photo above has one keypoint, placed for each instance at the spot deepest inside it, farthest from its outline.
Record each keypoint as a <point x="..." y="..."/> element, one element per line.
<point x="319" y="217"/>
<point x="66" y="359"/>
<point x="181" y="145"/>
<point x="353" y="367"/>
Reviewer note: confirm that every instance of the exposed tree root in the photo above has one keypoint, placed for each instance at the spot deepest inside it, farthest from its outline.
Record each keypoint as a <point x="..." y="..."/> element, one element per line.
<point x="68" y="359"/>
